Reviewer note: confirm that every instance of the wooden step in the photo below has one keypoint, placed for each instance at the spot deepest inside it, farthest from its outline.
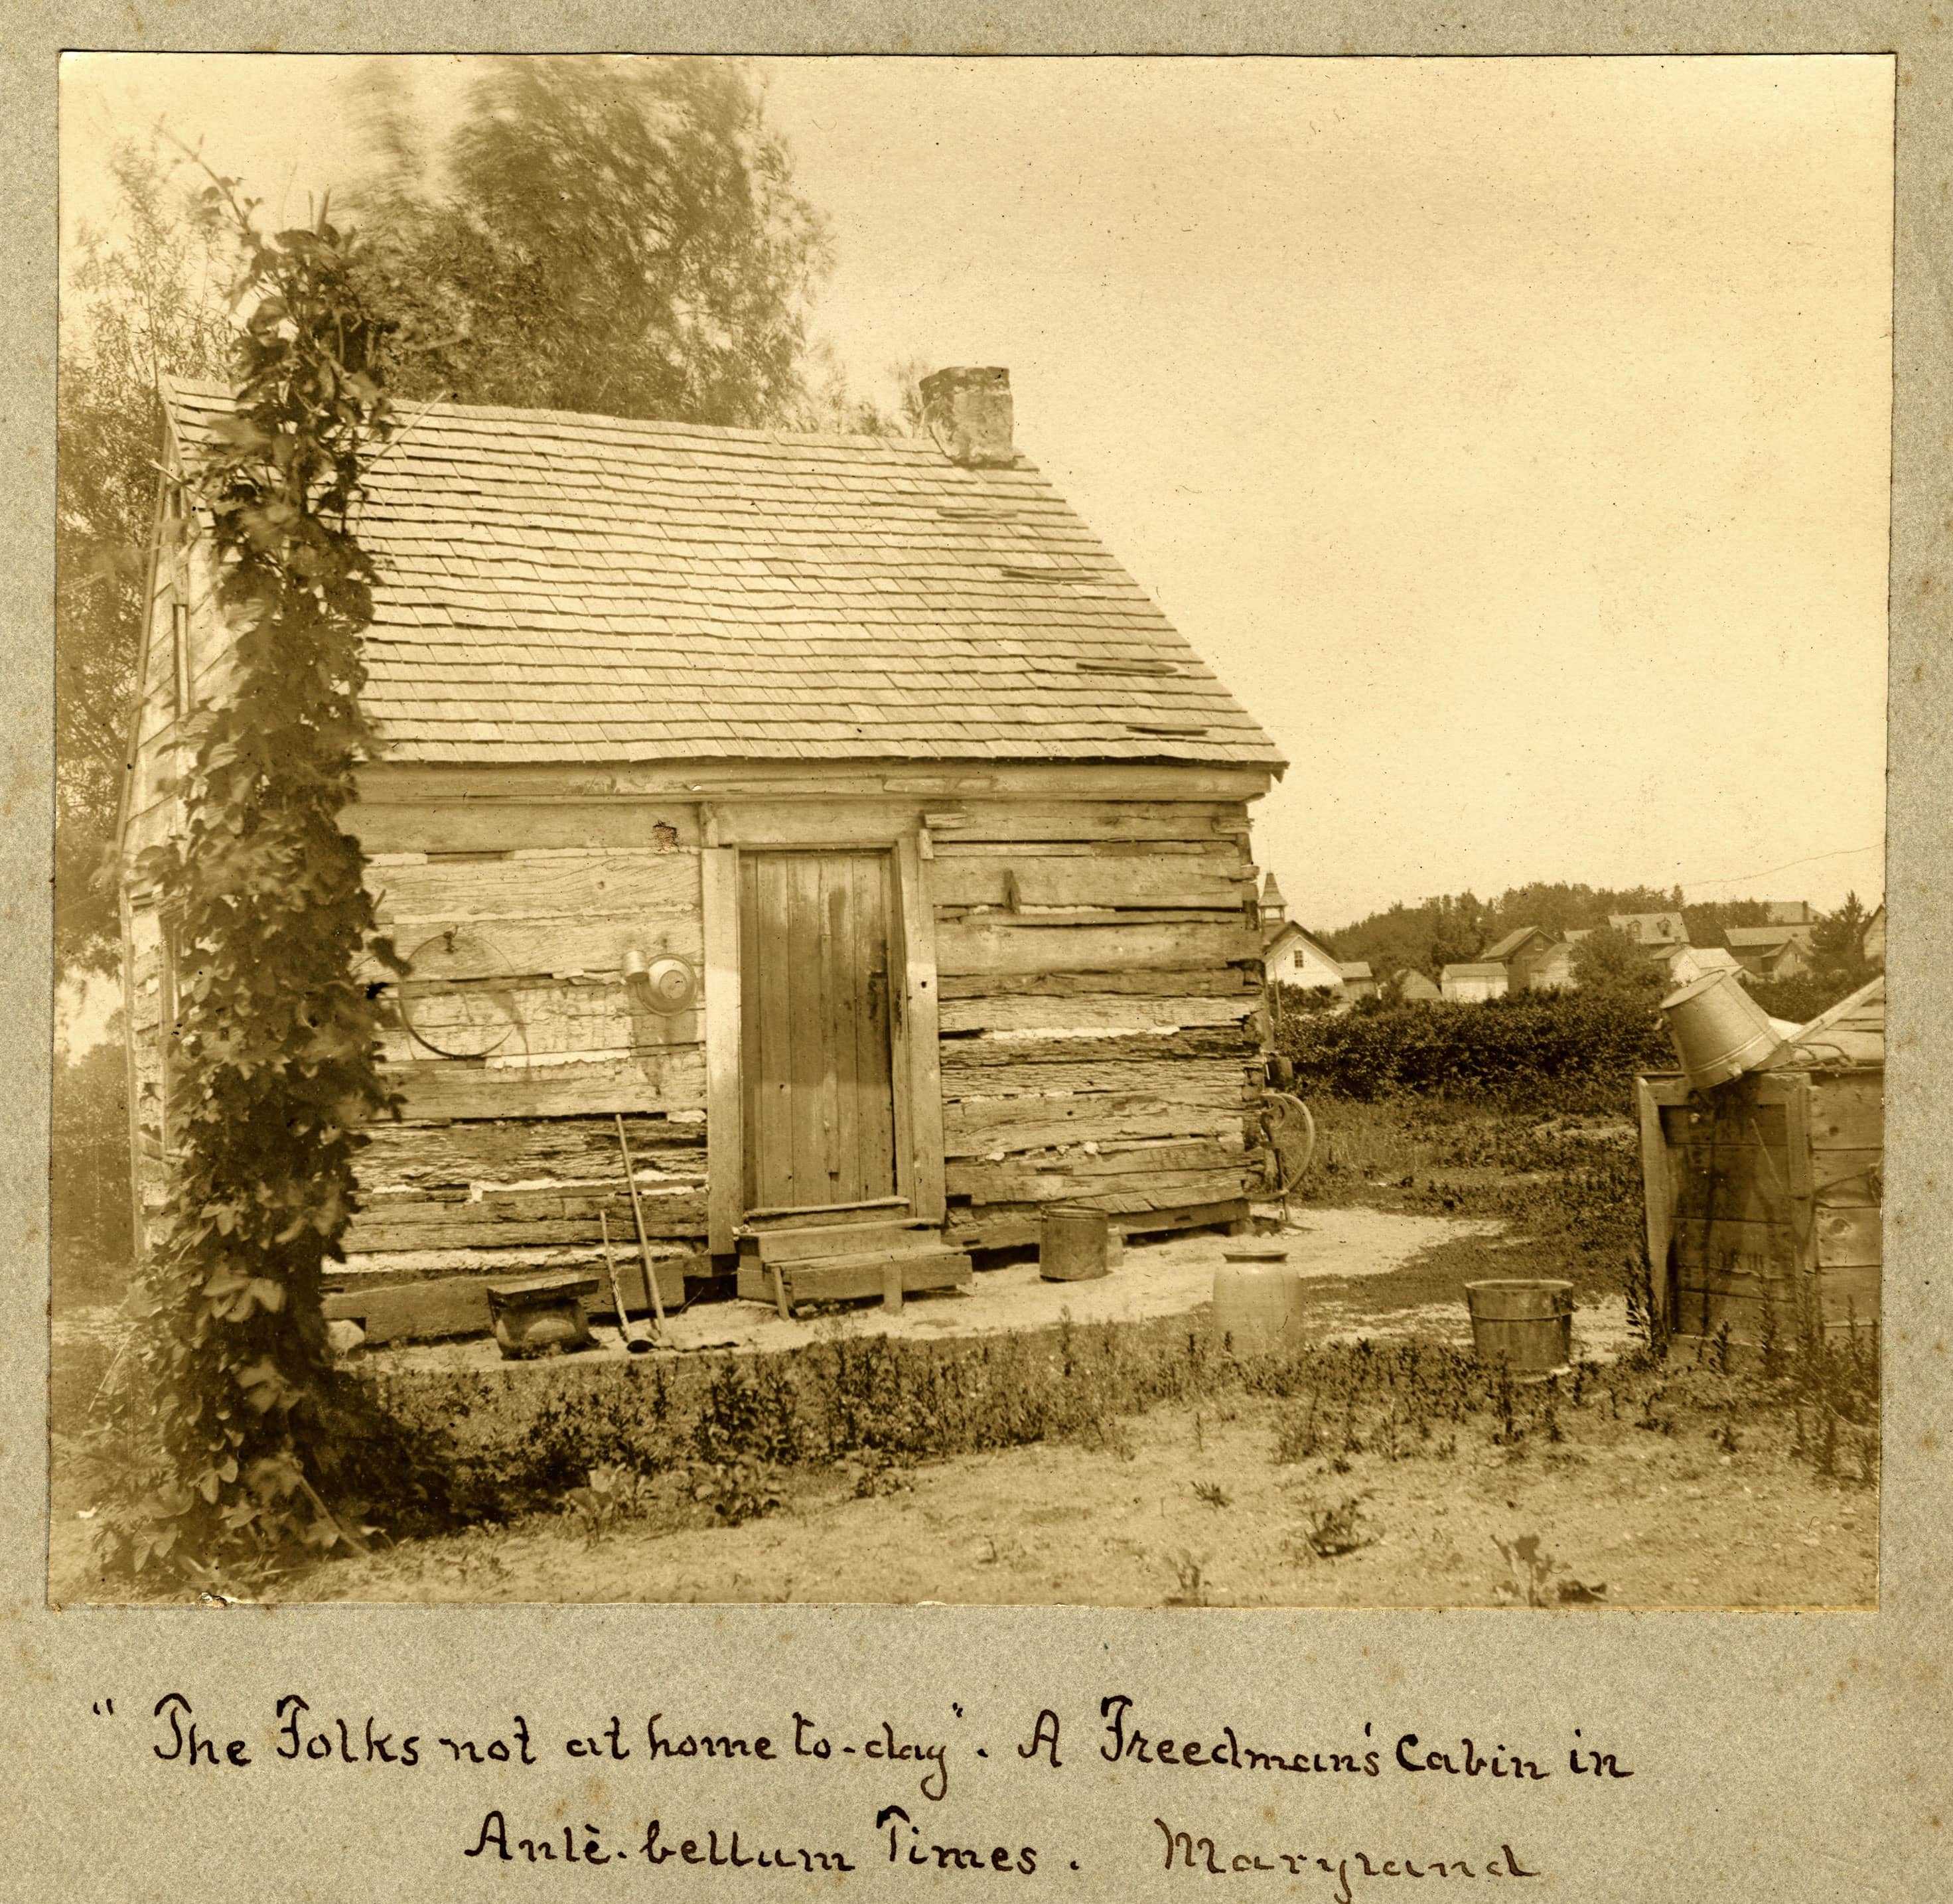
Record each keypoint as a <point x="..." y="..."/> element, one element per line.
<point x="841" y="1240"/>
<point x="883" y="1208"/>
<point x="889" y="1274"/>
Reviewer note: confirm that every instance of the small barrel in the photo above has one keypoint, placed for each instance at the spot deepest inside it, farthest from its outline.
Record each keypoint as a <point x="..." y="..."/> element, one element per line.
<point x="1072" y="1244"/>
<point x="1258" y="1299"/>
<point x="1527" y="1323"/>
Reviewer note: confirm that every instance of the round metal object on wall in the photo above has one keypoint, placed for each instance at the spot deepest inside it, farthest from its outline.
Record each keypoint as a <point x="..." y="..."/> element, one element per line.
<point x="455" y="1000"/>
<point x="671" y="985"/>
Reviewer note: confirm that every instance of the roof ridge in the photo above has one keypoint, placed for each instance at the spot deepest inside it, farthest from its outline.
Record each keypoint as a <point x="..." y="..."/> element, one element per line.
<point x="217" y="392"/>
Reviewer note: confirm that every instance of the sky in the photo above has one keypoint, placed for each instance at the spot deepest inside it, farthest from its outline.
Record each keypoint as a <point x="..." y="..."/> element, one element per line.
<point x="1510" y="435"/>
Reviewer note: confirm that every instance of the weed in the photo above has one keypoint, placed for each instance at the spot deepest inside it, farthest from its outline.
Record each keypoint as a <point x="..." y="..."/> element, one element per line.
<point x="1336" y="1529"/>
<point x="1213" y="1493"/>
<point x="1192" y="1591"/>
<point x="612" y="1494"/>
<point x="737" y="1490"/>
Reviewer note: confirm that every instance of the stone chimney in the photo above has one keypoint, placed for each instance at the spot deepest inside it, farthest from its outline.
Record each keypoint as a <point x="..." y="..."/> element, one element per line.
<point x="968" y="412"/>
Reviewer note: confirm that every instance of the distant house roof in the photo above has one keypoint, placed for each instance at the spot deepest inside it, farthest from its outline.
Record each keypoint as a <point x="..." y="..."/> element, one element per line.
<point x="1414" y="984"/>
<point x="1506" y="946"/>
<point x="1355" y="968"/>
<point x="1476" y="968"/>
<point x="1761" y="938"/>
<point x="558" y="587"/>
<point x="1710" y="958"/>
<point x="1651" y="928"/>
<point x="1578" y="933"/>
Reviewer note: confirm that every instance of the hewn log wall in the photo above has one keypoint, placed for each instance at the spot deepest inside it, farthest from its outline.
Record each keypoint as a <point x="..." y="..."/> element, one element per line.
<point x="1099" y="981"/>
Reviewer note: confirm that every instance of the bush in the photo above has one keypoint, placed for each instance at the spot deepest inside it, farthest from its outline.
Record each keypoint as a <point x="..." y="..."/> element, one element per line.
<point x="1568" y="1049"/>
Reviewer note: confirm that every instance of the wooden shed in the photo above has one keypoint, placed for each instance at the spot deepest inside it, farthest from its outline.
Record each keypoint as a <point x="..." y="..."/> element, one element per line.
<point x="835" y="810"/>
<point x="1765" y="1192"/>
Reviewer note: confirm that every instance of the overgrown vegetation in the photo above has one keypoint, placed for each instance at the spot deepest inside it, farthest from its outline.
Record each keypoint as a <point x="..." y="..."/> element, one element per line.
<point x="275" y="1065"/>
<point x="1565" y="1051"/>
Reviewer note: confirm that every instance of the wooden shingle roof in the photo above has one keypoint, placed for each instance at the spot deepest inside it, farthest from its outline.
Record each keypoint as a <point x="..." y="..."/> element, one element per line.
<point x="557" y="587"/>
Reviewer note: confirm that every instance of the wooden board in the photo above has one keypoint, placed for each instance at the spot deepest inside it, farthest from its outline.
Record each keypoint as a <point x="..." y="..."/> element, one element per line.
<point x="1004" y="1227"/>
<point x="965" y="1061"/>
<point x="667" y="1080"/>
<point x="1845" y="1238"/>
<point x="643" y="885"/>
<point x="1149" y="1190"/>
<point x="920" y="1056"/>
<point x="1003" y="1125"/>
<point x="988" y="944"/>
<point x="1657" y="1190"/>
<point x="1219" y="1082"/>
<point x="1071" y="981"/>
<point x="833" y="1279"/>
<point x="725" y="1114"/>
<point x="533" y="1219"/>
<point x="1114" y="1014"/>
<point x="457" y="825"/>
<point x="1848" y="1112"/>
<point x="525" y="948"/>
<point x="1021" y="881"/>
<point x="522" y="1151"/>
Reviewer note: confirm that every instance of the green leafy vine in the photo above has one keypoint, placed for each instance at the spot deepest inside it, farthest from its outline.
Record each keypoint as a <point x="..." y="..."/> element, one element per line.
<point x="276" y="1067"/>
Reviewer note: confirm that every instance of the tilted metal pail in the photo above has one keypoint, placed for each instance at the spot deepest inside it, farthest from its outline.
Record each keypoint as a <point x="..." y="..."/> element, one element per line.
<point x="1719" y="1031"/>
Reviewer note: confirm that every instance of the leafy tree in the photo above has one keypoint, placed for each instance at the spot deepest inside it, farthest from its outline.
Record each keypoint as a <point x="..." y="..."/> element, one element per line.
<point x="1837" y="960"/>
<point x="1608" y="960"/>
<point x="146" y="299"/>
<point x="613" y="235"/>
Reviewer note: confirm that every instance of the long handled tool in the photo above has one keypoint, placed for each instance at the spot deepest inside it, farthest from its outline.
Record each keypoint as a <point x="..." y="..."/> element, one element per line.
<point x="635" y="1343"/>
<point x="638" y="1217"/>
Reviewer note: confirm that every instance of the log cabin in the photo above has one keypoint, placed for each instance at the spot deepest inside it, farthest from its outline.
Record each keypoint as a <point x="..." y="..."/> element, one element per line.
<point x="829" y="818"/>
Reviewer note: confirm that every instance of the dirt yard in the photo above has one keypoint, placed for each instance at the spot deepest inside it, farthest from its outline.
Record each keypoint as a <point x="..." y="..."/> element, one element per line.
<point x="1635" y="1519"/>
<point x="1135" y="1481"/>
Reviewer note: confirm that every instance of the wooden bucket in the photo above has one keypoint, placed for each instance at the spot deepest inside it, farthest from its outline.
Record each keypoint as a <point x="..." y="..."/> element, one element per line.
<point x="1258" y="1299"/>
<point x="1072" y="1243"/>
<point x="1526" y="1322"/>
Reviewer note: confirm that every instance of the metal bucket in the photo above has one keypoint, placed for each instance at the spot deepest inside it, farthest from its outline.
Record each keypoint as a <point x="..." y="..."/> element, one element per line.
<point x="1072" y="1244"/>
<point x="1526" y="1323"/>
<point x="1258" y="1301"/>
<point x="1719" y="1031"/>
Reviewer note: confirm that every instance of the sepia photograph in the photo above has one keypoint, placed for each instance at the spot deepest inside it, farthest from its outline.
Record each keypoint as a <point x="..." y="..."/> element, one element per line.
<point x="1039" y="832"/>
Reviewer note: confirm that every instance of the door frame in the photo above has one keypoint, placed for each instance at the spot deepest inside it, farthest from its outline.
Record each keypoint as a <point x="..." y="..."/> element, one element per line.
<point x="915" y="1059"/>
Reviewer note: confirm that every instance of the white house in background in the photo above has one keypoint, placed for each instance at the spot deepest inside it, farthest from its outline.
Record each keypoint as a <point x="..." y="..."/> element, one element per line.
<point x="1872" y="942"/>
<point x="1292" y="957"/>
<point x="1475" y="981"/>
<point x="1413" y="988"/>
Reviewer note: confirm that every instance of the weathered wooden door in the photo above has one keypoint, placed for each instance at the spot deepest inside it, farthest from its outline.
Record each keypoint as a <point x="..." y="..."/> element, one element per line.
<point x="816" y="1070"/>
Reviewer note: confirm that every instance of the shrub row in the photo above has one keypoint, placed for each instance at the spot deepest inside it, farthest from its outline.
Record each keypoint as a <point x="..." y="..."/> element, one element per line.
<point x="1573" y="1050"/>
